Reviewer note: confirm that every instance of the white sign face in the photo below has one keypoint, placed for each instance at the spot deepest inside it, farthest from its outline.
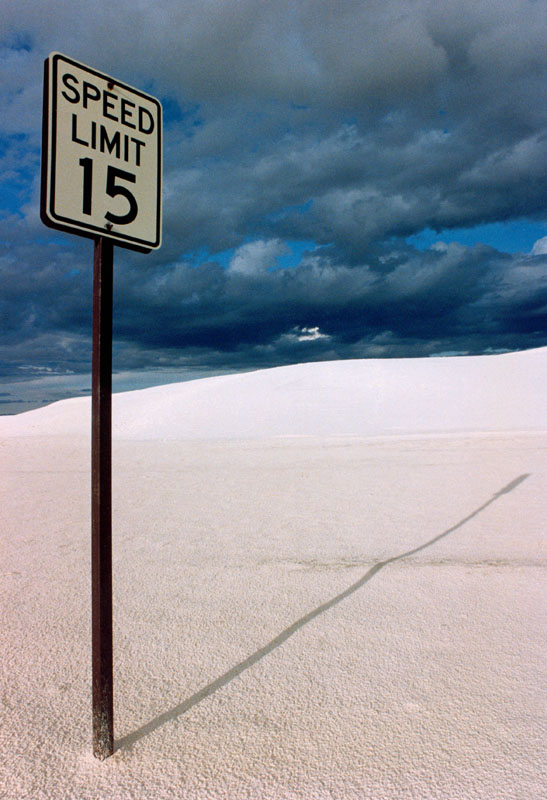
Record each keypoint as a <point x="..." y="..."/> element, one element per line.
<point x="101" y="156"/>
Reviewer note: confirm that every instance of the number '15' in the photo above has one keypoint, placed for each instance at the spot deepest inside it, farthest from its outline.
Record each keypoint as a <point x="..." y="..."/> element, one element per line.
<point x="112" y="189"/>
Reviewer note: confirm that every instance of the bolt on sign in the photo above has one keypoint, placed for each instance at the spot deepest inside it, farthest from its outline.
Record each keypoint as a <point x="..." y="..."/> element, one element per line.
<point x="102" y="156"/>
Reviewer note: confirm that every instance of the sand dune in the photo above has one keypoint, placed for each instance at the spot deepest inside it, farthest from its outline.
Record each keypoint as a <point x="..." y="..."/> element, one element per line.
<point x="356" y="397"/>
<point x="311" y="606"/>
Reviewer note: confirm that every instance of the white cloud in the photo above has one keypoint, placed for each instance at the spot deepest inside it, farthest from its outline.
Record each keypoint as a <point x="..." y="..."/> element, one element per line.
<point x="311" y="334"/>
<point x="540" y="247"/>
<point x="255" y="258"/>
<point x="300" y="334"/>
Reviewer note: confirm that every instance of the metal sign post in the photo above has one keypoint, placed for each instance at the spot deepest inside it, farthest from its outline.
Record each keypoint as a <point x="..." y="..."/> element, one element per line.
<point x="101" y="501"/>
<point x="101" y="178"/>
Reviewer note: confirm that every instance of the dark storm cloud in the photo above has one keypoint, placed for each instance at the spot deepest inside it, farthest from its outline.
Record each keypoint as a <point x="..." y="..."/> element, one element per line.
<point x="450" y="297"/>
<point x="350" y="125"/>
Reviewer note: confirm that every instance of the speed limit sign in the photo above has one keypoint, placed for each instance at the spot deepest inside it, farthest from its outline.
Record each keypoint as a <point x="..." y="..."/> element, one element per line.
<point x="101" y="178"/>
<point x="101" y="156"/>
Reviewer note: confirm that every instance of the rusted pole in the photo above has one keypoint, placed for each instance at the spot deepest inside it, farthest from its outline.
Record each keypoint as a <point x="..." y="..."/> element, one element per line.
<point x="101" y="501"/>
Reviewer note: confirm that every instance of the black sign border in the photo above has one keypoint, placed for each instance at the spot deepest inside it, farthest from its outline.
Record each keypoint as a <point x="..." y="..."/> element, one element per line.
<point x="47" y="213"/>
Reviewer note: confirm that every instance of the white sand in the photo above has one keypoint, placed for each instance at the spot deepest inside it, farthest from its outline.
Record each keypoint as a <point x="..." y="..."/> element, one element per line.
<point x="305" y="607"/>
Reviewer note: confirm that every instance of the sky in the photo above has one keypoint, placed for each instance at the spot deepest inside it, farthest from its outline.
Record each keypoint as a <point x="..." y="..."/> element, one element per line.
<point x="341" y="180"/>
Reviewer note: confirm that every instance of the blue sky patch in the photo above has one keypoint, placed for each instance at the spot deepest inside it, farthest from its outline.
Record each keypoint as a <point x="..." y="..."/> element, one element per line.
<point x="507" y="237"/>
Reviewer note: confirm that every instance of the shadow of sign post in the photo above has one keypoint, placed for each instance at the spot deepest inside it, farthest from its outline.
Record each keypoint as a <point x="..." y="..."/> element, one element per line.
<point x="282" y="637"/>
